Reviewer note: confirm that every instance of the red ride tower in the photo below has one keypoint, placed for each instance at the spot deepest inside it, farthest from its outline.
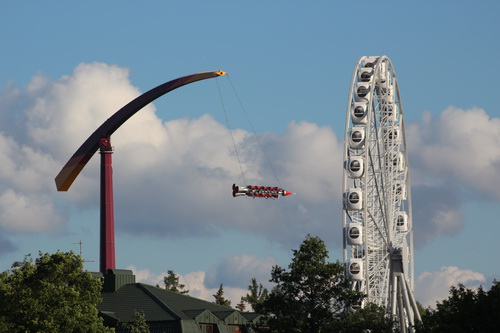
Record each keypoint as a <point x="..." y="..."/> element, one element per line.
<point x="107" y="235"/>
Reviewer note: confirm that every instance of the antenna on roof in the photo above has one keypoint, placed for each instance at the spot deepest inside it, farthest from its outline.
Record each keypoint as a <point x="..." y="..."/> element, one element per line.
<point x="81" y="253"/>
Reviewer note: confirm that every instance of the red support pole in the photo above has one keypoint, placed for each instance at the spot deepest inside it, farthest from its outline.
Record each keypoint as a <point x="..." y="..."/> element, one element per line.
<point x="107" y="237"/>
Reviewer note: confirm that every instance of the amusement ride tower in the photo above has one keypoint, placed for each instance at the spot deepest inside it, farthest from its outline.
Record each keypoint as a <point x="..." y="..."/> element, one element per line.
<point x="101" y="139"/>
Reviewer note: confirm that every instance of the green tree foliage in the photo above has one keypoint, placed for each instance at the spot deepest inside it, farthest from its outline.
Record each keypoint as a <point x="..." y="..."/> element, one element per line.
<point x="219" y="297"/>
<point x="241" y="305"/>
<point x="139" y="325"/>
<point x="371" y="318"/>
<point x="256" y="296"/>
<point x="466" y="310"/>
<point x="312" y="295"/>
<point x="51" y="294"/>
<point x="421" y="309"/>
<point x="171" y="282"/>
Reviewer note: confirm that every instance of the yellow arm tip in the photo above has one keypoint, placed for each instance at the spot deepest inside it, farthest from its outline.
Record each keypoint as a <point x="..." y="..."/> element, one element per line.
<point x="219" y="73"/>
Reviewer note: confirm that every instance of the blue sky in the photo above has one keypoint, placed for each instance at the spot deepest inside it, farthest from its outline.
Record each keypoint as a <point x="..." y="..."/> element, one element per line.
<point x="65" y="68"/>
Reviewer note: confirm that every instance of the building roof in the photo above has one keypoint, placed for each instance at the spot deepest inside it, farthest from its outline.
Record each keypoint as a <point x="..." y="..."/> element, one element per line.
<point x="160" y="305"/>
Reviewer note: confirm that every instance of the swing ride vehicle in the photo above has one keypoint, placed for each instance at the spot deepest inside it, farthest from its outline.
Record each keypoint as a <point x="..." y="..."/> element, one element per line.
<point x="260" y="191"/>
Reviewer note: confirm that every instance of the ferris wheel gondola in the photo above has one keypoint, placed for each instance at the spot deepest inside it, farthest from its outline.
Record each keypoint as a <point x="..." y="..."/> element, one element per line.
<point x="377" y="224"/>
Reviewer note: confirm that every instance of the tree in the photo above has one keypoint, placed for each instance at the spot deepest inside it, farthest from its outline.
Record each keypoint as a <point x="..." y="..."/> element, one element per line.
<point x="171" y="282"/>
<point x="139" y="325"/>
<point x="312" y="295"/>
<point x="466" y="310"/>
<point x="241" y="305"/>
<point x="219" y="297"/>
<point x="370" y="318"/>
<point x="257" y="295"/>
<point x="51" y="294"/>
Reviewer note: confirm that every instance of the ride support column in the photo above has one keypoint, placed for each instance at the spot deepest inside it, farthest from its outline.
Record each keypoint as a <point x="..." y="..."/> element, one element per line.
<point x="107" y="234"/>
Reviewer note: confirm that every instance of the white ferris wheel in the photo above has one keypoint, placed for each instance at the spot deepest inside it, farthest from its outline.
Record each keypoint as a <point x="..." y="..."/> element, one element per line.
<point x="377" y="214"/>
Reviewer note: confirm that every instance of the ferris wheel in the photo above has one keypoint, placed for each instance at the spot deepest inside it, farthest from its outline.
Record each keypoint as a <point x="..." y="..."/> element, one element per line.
<point x="377" y="214"/>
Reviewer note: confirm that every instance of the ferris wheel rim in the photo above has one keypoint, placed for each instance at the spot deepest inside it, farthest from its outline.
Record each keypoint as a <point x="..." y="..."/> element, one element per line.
<point x="389" y="226"/>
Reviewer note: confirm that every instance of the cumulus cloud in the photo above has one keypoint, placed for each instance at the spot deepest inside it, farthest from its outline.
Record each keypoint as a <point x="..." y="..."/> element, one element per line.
<point x="237" y="270"/>
<point x="148" y="277"/>
<point x="25" y="206"/>
<point x="173" y="178"/>
<point x="431" y="287"/>
<point x="62" y="113"/>
<point x="23" y="213"/>
<point x="460" y="147"/>
<point x="188" y="184"/>
<point x="194" y="282"/>
<point x="436" y="212"/>
<point x="454" y="156"/>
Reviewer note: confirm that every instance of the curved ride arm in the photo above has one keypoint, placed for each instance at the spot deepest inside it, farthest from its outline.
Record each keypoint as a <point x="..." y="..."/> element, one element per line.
<point x="80" y="158"/>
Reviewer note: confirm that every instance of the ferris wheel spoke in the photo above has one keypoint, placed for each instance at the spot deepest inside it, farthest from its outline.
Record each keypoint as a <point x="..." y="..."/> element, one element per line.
<point x="381" y="233"/>
<point x="380" y="193"/>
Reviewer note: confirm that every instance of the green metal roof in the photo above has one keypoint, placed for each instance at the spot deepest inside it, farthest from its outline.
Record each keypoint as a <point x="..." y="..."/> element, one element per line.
<point x="132" y="297"/>
<point x="160" y="305"/>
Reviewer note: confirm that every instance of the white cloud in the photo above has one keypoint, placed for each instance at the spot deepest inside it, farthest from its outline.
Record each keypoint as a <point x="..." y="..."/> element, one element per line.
<point x="237" y="270"/>
<point x="437" y="211"/>
<point x="309" y="158"/>
<point x="233" y="272"/>
<point x="181" y="168"/>
<point x="173" y="178"/>
<point x="431" y="287"/>
<point x="146" y="276"/>
<point x="453" y="157"/>
<point x="25" y="206"/>
<point x="23" y="167"/>
<point x="27" y="213"/>
<point x="189" y="179"/>
<point x="62" y="113"/>
<point x="459" y="146"/>
<point x="194" y="282"/>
